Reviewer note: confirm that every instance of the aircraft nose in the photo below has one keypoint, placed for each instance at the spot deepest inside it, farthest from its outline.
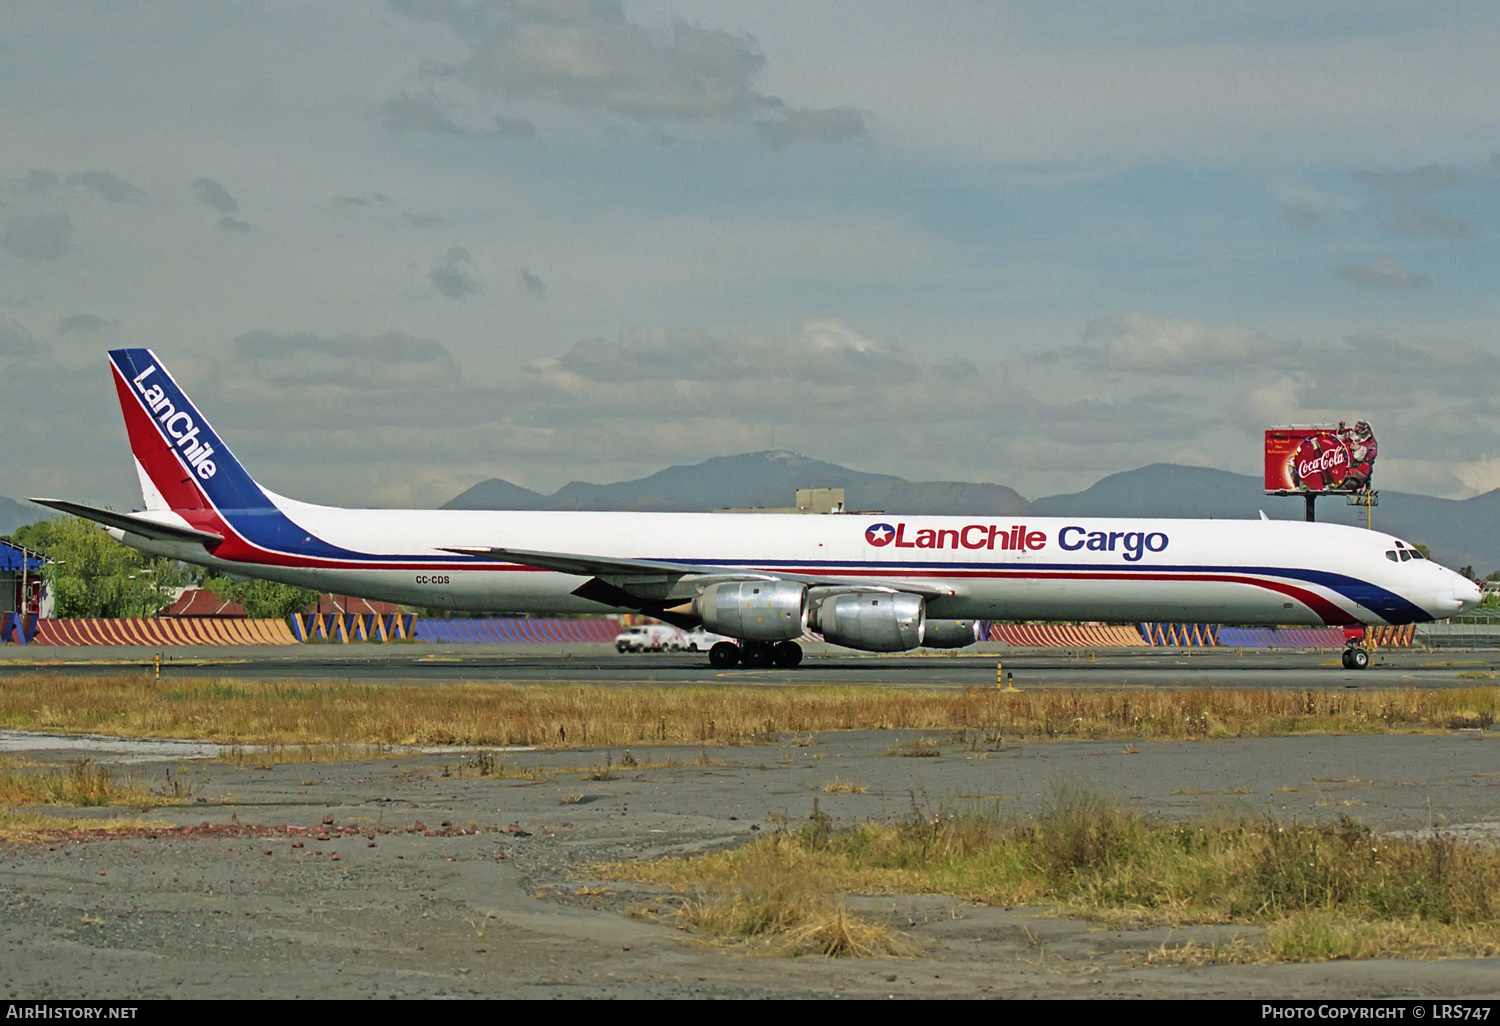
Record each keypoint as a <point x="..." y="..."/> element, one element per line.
<point x="1462" y="596"/>
<point x="1468" y="595"/>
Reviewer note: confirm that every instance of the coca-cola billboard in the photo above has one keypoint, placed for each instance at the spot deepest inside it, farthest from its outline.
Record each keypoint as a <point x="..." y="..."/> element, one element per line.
<point x="1320" y="458"/>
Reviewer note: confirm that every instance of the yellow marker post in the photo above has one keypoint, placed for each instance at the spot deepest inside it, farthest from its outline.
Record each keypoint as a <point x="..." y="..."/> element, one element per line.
<point x="1003" y="680"/>
<point x="158" y="667"/>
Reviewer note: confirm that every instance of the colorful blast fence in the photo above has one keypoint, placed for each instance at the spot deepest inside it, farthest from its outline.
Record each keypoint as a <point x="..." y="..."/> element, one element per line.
<point x="1186" y="635"/>
<point x="16" y="629"/>
<point x="350" y="627"/>
<point x="519" y="630"/>
<point x="1065" y="635"/>
<point x="140" y="630"/>
<point x="347" y="627"/>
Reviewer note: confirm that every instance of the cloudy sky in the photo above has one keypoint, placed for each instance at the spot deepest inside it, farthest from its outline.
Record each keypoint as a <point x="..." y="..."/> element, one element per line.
<point x="394" y="247"/>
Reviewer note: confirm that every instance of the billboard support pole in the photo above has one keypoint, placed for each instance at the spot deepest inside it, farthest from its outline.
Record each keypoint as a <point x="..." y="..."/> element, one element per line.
<point x="1310" y="498"/>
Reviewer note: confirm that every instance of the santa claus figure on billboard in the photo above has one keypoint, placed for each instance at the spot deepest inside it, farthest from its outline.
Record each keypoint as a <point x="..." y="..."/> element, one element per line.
<point x="1362" y="451"/>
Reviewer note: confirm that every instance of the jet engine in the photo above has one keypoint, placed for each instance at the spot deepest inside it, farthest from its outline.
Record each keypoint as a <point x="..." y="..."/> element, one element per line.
<point x="950" y="633"/>
<point x="872" y="621"/>
<point x="754" y="610"/>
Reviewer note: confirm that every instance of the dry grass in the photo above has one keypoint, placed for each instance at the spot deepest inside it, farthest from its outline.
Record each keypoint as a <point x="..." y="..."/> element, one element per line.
<point x="83" y="784"/>
<point x="776" y="904"/>
<point x="1324" y="936"/>
<point x="920" y="748"/>
<point x="1326" y="891"/>
<point x="838" y="785"/>
<point x="563" y="716"/>
<point x="781" y="921"/>
<point x="28" y="827"/>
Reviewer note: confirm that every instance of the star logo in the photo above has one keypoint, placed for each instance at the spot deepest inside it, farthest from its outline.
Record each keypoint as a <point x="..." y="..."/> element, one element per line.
<point x="879" y="535"/>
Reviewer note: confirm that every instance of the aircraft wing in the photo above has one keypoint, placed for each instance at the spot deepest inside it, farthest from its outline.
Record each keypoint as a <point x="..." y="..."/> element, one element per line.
<point x="132" y="523"/>
<point x="622" y="570"/>
<point x="596" y="566"/>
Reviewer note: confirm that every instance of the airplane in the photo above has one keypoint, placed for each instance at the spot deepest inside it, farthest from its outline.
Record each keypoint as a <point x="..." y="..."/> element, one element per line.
<point x="877" y="582"/>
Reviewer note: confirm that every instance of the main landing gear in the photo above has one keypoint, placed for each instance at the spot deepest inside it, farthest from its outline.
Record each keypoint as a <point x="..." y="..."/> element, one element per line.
<point x="1356" y="655"/>
<point x="755" y="655"/>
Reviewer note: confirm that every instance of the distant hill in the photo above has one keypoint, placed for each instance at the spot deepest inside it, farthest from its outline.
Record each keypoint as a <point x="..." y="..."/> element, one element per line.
<point x="766" y="479"/>
<point x="1462" y="532"/>
<point x="13" y="514"/>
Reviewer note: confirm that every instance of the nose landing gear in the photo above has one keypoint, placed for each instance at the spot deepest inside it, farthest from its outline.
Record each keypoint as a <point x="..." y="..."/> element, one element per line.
<point x="1356" y="655"/>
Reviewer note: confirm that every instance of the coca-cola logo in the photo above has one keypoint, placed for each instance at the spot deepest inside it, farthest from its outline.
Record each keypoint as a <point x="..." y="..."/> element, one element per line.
<point x="1323" y="462"/>
<point x="1320" y="462"/>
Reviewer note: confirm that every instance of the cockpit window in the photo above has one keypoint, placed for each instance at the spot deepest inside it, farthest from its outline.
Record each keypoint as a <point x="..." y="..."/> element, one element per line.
<point x="1391" y="555"/>
<point x="1417" y="554"/>
<point x="1405" y="555"/>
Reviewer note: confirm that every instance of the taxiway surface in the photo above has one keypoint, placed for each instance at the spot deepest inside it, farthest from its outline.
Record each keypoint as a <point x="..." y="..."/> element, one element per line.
<point x="824" y="665"/>
<point x="441" y="875"/>
<point x="464" y="873"/>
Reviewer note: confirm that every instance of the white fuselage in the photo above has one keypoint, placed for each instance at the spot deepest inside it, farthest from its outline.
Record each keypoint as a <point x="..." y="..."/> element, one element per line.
<point x="996" y="568"/>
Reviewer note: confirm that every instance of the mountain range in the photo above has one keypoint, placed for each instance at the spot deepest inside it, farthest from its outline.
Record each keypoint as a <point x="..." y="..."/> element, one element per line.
<point x="13" y="514"/>
<point x="1459" y="532"/>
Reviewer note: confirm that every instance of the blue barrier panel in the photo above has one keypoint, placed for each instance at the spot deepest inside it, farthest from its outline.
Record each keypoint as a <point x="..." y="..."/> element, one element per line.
<point x="507" y="630"/>
<point x="1282" y="637"/>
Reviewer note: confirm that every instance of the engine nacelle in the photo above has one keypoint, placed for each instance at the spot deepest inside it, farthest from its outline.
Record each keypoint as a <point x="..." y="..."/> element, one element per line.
<point x="872" y="621"/>
<point x="950" y="633"/>
<point x="754" y="610"/>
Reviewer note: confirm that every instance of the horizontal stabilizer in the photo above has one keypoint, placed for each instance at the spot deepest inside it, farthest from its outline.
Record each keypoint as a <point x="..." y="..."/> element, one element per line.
<point x="132" y="524"/>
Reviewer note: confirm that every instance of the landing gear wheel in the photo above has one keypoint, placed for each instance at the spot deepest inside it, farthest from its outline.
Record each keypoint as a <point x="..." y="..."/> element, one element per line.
<point x="1359" y="658"/>
<point x="723" y="655"/>
<point x="787" y="654"/>
<point x="755" y="655"/>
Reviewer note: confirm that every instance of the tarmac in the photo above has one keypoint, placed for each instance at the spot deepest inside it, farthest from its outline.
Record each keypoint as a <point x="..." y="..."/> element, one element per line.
<point x="418" y="875"/>
<point x="978" y="666"/>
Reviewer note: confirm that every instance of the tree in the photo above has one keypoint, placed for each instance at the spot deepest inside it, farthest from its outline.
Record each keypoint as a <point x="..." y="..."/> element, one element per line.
<point x="263" y="600"/>
<point x="91" y="574"/>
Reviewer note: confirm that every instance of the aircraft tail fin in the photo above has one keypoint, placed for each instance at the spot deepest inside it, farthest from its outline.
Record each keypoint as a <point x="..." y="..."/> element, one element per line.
<point x="182" y="462"/>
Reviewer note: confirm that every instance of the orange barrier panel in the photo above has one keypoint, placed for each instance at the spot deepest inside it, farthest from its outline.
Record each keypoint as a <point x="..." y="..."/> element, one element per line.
<point x="1065" y="635"/>
<point x="1390" y="637"/>
<point x="145" y="631"/>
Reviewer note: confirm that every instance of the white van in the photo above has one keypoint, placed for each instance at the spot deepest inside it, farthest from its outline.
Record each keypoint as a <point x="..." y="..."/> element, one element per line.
<point x="650" y="637"/>
<point x="700" y="640"/>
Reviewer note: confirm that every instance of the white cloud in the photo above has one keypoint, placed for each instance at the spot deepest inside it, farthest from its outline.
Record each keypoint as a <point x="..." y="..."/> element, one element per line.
<point x="111" y="187"/>
<point x="1139" y="342"/>
<point x="1384" y="272"/>
<point x="45" y="237"/>
<point x="429" y="113"/>
<point x="829" y="126"/>
<point x="83" y="322"/>
<point x="16" y="340"/>
<point x="450" y="274"/>
<point x="532" y="283"/>
<point x="588" y="55"/>
<point x="215" y="195"/>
